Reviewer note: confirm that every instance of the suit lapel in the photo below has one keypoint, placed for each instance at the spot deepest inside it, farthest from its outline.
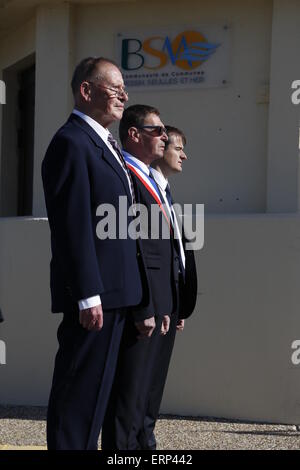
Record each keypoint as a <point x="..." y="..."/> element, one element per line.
<point x="150" y="197"/>
<point x="106" y="154"/>
<point x="111" y="160"/>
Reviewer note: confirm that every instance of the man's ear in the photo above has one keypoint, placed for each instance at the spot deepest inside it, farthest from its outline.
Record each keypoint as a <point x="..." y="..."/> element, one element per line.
<point x="134" y="134"/>
<point x="85" y="91"/>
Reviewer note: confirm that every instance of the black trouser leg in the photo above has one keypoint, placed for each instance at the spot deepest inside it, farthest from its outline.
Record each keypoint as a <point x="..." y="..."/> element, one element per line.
<point x="159" y="376"/>
<point x="125" y="412"/>
<point x="82" y="380"/>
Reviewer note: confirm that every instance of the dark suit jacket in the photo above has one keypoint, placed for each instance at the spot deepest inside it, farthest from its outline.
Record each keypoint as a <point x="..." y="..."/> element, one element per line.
<point x="79" y="173"/>
<point x="188" y="287"/>
<point x="161" y="261"/>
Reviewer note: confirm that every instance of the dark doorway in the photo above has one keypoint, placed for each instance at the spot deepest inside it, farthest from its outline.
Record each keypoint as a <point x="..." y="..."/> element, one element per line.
<point x="26" y="103"/>
<point x="17" y="146"/>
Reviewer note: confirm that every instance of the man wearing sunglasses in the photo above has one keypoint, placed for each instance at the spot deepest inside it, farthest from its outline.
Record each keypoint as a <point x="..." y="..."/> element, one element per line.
<point x="93" y="281"/>
<point x="162" y="169"/>
<point x="144" y="138"/>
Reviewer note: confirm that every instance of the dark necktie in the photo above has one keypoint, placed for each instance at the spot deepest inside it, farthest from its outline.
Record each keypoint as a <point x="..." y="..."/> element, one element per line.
<point x="170" y="201"/>
<point x="155" y="185"/>
<point x="118" y="151"/>
<point x="159" y="192"/>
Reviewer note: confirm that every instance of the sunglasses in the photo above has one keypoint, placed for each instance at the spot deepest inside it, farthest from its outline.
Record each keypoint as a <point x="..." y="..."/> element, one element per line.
<point x="156" y="131"/>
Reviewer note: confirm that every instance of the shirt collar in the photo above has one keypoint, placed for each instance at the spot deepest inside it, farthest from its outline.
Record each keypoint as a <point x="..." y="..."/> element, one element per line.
<point x="139" y="163"/>
<point x="101" y="131"/>
<point x="160" y="179"/>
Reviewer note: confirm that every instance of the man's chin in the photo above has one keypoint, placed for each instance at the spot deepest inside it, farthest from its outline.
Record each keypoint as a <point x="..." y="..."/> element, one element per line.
<point x="118" y="114"/>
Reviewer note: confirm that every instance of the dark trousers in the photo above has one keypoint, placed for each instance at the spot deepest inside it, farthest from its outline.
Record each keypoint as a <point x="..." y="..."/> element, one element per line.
<point x="83" y="375"/>
<point x="158" y="380"/>
<point x="138" y="388"/>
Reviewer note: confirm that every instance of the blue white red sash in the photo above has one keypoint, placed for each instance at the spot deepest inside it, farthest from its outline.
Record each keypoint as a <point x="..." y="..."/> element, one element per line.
<point x="149" y="184"/>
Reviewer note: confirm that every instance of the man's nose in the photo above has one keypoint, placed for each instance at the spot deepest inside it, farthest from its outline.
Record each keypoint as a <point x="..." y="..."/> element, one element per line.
<point x="124" y="98"/>
<point x="183" y="156"/>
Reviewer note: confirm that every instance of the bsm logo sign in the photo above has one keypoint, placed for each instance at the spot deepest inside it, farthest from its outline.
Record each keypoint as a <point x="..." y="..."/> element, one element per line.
<point x="186" y="51"/>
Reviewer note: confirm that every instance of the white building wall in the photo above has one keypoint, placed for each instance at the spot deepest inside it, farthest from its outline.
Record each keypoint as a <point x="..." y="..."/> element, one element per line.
<point x="283" y="153"/>
<point x="29" y="331"/>
<point x="234" y="359"/>
<point x="53" y="76"/>
<point x="226" y="128"/>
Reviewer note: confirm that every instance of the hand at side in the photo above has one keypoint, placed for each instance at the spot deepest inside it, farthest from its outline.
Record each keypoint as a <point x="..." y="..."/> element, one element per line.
<point x="91" y="318"/>
<point x="145" y="327"/>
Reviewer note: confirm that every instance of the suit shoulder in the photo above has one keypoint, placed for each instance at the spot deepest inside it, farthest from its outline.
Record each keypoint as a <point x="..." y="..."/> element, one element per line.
<point x="69" y="134"/>
<point x="69" y="142"/>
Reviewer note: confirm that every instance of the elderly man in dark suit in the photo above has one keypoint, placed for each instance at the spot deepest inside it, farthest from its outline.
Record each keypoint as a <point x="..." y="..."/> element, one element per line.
<point x="94" y="281"/>
<point x="143" y="363"/>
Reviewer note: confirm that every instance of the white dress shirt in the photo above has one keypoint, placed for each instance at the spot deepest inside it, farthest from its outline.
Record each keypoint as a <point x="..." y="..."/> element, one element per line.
<point x="162" y="183"/>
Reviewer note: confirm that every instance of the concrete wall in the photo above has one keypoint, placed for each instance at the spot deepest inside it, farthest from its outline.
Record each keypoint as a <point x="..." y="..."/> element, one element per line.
<point x="53" y="77"/>
<point x="243" y="155"/>
<point x="226" y="127"/>
<point x="235" y="354"/>
<point x="283" y="154"/>
<point x="234" y="358"/>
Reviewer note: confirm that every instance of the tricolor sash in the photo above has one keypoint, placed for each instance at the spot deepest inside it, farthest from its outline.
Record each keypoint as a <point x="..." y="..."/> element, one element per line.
<point x="148" y="183"/>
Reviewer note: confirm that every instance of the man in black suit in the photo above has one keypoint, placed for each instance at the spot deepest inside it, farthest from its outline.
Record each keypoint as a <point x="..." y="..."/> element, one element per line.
<point x="93" y="280"/>
<point x="162" y="169"/>
<point x="143" y="137"/>
<point x="133" y="410"/>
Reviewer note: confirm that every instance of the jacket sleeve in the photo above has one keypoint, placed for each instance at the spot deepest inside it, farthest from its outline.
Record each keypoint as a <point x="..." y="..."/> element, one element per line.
<point x="68" y="200"/>
<point x="189" y="290"/>
<point x="146" y="308"/>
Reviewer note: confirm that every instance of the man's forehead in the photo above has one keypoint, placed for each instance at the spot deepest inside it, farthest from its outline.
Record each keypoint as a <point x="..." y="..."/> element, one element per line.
<point x="153" y="118"/>
<point x="110" y="72"/>
<point x="176" y="140"/>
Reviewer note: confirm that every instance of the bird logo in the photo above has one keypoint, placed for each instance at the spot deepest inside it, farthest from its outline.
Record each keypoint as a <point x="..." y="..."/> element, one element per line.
<point x="189" y="49"/>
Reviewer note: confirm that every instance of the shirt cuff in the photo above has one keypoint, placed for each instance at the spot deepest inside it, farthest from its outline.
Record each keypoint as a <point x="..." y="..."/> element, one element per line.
<point x="89" y="302"/>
